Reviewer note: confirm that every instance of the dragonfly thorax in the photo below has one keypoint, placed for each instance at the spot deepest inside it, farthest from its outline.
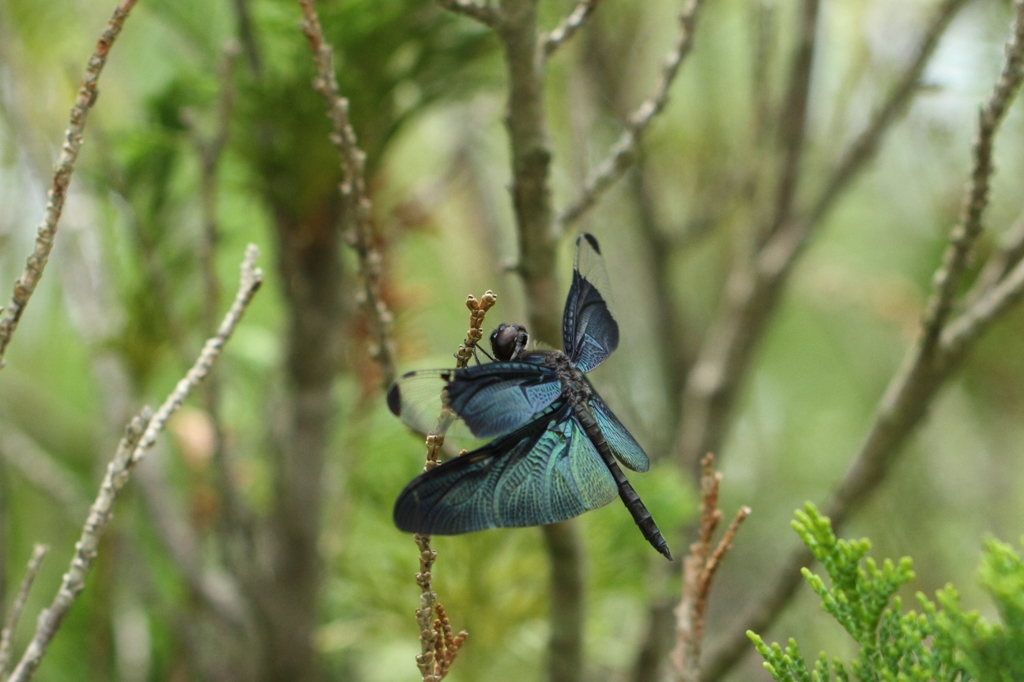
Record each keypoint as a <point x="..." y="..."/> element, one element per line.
<point x="575" y="387"/>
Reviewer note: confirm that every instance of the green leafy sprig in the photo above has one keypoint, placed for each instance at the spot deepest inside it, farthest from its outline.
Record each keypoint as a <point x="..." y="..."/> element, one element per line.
<point x="943" y="643"/>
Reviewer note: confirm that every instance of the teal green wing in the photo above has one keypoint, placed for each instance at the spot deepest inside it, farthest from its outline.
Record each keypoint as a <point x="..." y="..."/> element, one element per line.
<point x="620" y="440"/>
<point x="547" y="471"/>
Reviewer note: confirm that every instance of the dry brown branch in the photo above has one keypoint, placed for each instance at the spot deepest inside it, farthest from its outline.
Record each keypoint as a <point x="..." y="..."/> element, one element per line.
<point x="356" y="204"/>
<point x="47" y="230"/>
<point x="14" y="615"/>
<point x="699" y="570"/>
<point x="623" y="152"/>
<point x="562" y="33"/>
<point x="483" y="12"/>
<point x="437" y="649"/>
<point x="939" y="350"/>
<point x="139" y="437"/>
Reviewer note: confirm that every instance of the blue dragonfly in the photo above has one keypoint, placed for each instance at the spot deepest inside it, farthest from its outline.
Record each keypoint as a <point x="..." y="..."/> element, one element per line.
<point x="555" y="443"/>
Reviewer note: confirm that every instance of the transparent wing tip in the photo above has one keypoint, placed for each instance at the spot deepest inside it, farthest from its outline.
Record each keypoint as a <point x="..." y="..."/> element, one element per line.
<point x="592" y="240"/>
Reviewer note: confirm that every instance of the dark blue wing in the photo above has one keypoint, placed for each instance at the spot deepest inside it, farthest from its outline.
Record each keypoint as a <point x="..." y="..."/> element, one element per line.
<point x="498" y="397"/>
<point x="623" y="446"/>
<point x="589" y="331"/>
<point x="545" y="472"/>
<point x="492" y="399"/>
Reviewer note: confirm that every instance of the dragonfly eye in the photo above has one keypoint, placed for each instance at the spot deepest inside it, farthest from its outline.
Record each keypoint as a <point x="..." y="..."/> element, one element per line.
<point x="508" y="341"/>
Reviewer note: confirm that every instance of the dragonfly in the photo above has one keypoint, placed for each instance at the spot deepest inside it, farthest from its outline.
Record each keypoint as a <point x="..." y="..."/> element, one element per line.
<point x="556" y="445"/>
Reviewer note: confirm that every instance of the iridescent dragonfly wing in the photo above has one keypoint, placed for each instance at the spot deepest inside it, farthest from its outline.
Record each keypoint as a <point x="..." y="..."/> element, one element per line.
<point x="546" y="471"/>
<point x="492" y="399"/>
<point x="620" y="440"/>
<point x="589" y="331"/>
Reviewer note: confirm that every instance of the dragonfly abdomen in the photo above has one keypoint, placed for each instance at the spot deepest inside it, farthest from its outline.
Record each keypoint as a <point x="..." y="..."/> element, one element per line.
<point x="629" y="496"/>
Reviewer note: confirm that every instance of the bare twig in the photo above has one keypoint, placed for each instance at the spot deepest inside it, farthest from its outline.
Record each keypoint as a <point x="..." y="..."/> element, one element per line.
<point x="939" y="350"/>
<point x="484" y="12"/>
<point x="14" y="615"/>
<point x="47" y="229"/>
<point x="356" y="204"/>
<point x="954" y="261"/>
<point x="562" y="33"/>
<point x="699" y="570"/>
<point x="139" y="437"/>
<point x="437" y="650"/>
<point x="623" y="152"/>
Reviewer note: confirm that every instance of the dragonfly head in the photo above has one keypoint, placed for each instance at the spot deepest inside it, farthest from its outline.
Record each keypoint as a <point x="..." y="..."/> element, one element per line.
<point x="508" y="341"/>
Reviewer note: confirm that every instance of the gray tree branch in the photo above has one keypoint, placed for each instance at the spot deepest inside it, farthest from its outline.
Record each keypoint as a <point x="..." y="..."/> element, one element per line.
<point x="47" y="230"/>
<point x="568" y="27"/>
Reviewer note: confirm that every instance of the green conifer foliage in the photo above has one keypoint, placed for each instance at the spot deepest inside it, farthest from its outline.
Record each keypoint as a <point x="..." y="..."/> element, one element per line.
<point x="942" y="643"/>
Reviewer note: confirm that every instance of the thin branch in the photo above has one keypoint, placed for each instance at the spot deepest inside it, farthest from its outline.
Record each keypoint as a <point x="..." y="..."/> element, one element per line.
<point x="954" y="261"/>
<point x="754" y="287"/>
<point x="866" y="144"/>
<point x="47" y="230"/>
<point x="699" y="570"/>
<point x="562" y="33"/>
<point x="962" y="331"/>
<point x="356" y="209"/>
<point x="623" y="152"/>
<point x="249" y="283"/>
<point x="14" y="615"/>
<point x="940" y="349"/>
<point x="526" y="121"/>
<point x="85" y="550"/>
<point x="793" y="117"/>
<point x="210" y="151"/>
<point x="999" y="265"/>
<point x="436" y="650"/>
<point x="218" y="591"/>
<point x="39" y="468"/>
<point x="484" y="12"/>
<point x="139" y="437"/>
<point x="246" y="35"/>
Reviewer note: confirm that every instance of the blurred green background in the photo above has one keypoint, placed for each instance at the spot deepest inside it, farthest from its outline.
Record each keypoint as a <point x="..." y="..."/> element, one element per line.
<point x="119" y="313"/>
